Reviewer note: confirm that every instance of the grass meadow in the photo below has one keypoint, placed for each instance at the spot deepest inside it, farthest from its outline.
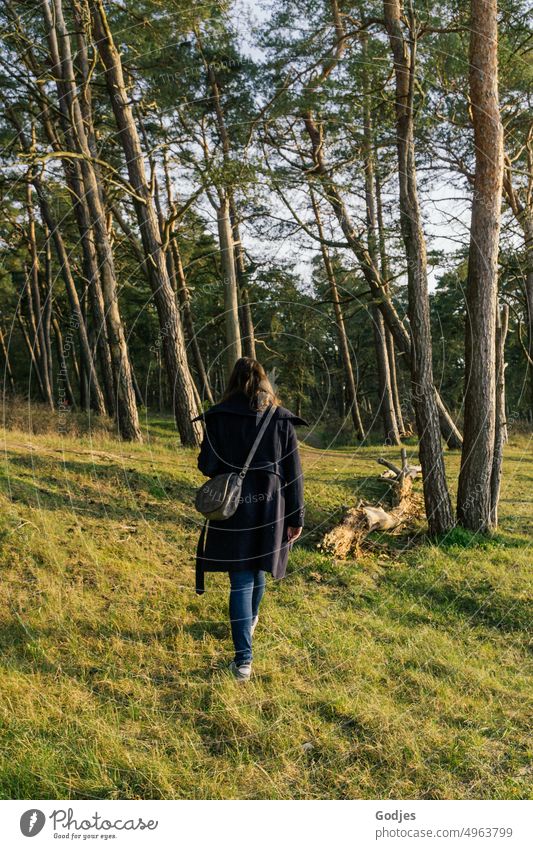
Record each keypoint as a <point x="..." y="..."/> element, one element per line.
<point x="403" y="674"/>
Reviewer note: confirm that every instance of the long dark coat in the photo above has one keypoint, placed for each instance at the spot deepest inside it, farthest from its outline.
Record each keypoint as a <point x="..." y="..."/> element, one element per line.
<point x="255" y="537"/>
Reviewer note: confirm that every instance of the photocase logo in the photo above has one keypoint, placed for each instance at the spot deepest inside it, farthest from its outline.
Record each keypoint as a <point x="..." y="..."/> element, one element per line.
<point x="32" y="822"/>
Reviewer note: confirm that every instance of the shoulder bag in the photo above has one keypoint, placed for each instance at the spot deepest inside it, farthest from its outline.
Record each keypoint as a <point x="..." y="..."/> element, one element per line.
<point x="218" y="498"/>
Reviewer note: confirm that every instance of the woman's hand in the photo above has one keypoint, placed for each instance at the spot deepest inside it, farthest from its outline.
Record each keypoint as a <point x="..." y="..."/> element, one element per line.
<point x="293" y="534"/>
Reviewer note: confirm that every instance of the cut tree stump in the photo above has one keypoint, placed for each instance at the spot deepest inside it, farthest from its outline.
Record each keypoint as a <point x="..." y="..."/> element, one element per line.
<point x="359" y="521"/>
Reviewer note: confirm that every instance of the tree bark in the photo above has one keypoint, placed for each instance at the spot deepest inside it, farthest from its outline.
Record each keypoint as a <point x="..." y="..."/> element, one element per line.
<point x="370" y="271"/>
<point x="66" y="273"/>
<point x="185" y="302"/>
<point x="500" y="436"/>
<point x="248" y="336"/>
<point x="351" y="389"/>
<point x="91" y="273"/>
<point x="171" y="330"/>
<point x="31" y="351"/>
<point x="386" y="401"/>
<point x="384" y="268"/>
<point x="36" y="311"/>
<point x="228" y="247"/>
<point x="73" y="179"/>
<point x="179" y="284"/>
<point x="47" y="313"/>
<point x="7" y="369"/>
<point x="474" y="492"/>
<point x="63" y="376"/>
<point x="523" y="212"/>
<point x="233" y="349"/>
<point x="60" y="50"/>
<point x="436" y="496"/>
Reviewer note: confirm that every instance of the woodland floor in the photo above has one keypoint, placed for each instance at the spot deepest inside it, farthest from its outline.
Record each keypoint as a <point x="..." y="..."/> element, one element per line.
<point x="402" y="674"/>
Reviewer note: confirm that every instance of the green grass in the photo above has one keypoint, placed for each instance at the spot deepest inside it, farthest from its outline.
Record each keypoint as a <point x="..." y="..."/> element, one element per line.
<point x="404" y="674"/>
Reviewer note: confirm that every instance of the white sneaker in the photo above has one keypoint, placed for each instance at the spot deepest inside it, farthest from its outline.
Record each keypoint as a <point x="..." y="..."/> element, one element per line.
<point x="241" y="673"/>
<point x="254" y="624"/>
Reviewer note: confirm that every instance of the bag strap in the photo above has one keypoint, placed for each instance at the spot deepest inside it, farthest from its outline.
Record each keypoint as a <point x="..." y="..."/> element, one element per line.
<point x="258" y="438"/>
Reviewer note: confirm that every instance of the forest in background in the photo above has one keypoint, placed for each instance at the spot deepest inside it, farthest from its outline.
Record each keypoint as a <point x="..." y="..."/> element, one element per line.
<point x="163" y="176"/>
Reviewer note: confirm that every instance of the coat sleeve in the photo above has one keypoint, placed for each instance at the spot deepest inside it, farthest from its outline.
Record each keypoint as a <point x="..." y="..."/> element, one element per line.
<point x="209" y="461"/>
<point x="294" y="482"/>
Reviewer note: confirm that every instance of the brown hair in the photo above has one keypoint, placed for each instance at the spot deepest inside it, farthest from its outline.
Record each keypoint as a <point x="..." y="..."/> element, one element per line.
<point x="248" y="376"/>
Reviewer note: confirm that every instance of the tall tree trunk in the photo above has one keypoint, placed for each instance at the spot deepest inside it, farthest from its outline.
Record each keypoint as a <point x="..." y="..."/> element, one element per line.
<point x="523" y="212"/>
<point x="386" y="401"/>
<point x="179" y="283"/>
<point x="30" y="345"/>
<point x="92" y="275"/>
<point x="63" y="376"/>
<point x="74" y="182"/>
<point x="64" y="386"/>
<point x="34" y="298"/>
<point x="60" y="50"/>
<point x="529" y="307"/>
<point x="48" y="296"/>
<point x="248" y="336"/>
<point x="173" y="340"/>
<point x="370" y="271"/>
<point x="7" y="366"/>
<point x="68" y="278"/>
<point x="351" y="389"/>
<point x="228" y="248"/>
<point x="384" y="268"/>
<point x="436" y="496"/>
<point x="474" y="492"/>
<point x="500" y="433"/>
<point x="233" y="349"/>
<point x="185" y="302"/>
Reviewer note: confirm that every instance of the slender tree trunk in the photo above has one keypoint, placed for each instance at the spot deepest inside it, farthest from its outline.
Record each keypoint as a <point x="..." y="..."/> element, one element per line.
<point x="233" y="348"/>
<point x="34" y="299"/>
<point x="436" y="496"/>
<point x="60" y="50"/>
<point x="66" y="273"/>
<point x="63" y="380"/>
<point x="387" y="410"/>
<point x="92" y="275"/>
<point x="179" y="284"/>
<point x="7" y="367"/>
<point x="185" y="302"/>
<point x="386" y="401"/>
<point x="351" y="389"/>
<point x="228" y="248"/>
<point x="85" y="395"/>
<point x="48" y="295"/>
<point x="30" y="345"/>
<point x="173" y="340"/>
<point x="74" y="181"/>
<point x="31" y="339"/>
<point x="529" y="314"/>
<point x="523" y="212"/>
<point x="248" y="338"/>
<point x="474" y="493"/>
<point x="384" y="268"/>
<point x="370" y="271"/>
<point x="500" y="437"/>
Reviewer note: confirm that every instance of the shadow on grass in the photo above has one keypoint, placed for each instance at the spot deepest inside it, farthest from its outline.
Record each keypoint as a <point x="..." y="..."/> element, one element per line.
<point x="464" y="539"/>
<point x="54" y="491"/>
<point x="198" y="630"/>
<point x="472" y="602"/>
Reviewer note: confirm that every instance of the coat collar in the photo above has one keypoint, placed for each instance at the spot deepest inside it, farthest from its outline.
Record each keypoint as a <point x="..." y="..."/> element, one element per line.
<point x="239" y="405"/>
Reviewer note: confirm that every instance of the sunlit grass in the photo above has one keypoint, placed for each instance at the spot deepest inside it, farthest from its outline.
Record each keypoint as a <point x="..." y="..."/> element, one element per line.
<point x="403" y="674"/>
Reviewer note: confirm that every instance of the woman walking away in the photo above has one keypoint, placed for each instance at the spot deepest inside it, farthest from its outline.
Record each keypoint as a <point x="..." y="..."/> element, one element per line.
<point x="270" y="513"/>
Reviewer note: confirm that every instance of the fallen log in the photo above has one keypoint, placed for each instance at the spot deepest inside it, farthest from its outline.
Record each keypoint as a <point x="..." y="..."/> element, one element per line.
<point x="359" y="521"/>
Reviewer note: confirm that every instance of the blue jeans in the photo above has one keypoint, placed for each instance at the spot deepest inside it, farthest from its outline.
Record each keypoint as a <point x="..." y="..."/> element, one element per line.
<point x="247" y="589"/>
